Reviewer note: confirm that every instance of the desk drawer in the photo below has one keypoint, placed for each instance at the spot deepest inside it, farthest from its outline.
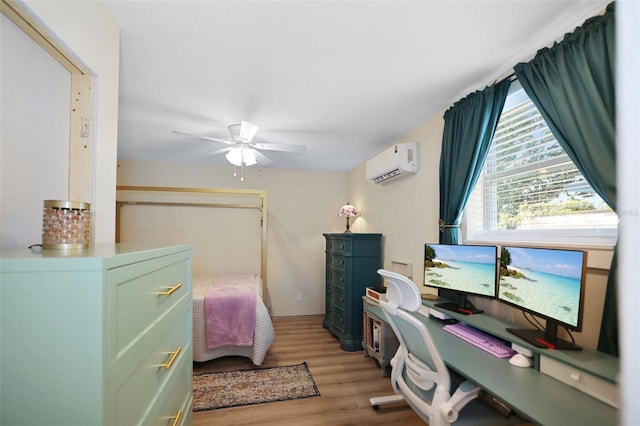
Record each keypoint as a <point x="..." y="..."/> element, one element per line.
<point x="140" y="294"/>
<point x="596" y="387"/>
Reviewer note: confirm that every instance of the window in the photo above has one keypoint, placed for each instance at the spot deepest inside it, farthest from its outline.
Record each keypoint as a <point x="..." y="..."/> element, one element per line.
<point x="529" y="189"/>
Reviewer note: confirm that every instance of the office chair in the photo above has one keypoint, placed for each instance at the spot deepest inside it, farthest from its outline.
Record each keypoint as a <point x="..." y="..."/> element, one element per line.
<point x="419" y="376"/>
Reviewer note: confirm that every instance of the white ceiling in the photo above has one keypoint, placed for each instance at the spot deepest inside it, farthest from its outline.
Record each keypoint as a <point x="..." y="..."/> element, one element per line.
<point x="344" y="78"/>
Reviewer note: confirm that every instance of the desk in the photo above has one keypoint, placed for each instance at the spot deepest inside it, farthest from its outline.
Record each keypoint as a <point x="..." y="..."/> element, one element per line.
<point x="528" y="392"/>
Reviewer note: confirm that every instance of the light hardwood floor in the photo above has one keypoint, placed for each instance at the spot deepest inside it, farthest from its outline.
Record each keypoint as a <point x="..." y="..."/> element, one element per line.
<point x="346" y="381"/>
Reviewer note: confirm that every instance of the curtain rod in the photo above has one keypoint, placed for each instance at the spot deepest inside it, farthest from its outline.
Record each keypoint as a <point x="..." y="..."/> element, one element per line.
<point x="510" y="77"/>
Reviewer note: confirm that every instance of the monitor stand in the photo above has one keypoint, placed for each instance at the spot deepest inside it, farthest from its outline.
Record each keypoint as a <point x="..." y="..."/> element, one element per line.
<point x="544" y="338"/>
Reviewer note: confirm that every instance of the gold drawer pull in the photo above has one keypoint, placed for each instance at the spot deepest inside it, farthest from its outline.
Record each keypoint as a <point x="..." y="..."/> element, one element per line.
<point x="173" y="358"/>
<point x="176" y="419"/>
<point x="171" y="290"/>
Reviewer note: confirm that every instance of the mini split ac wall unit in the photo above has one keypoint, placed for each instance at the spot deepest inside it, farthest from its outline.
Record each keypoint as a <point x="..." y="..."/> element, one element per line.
<point x="398" y="160"/>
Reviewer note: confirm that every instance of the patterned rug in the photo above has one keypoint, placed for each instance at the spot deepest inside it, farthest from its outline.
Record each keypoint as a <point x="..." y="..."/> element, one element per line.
<point x="246" y="387"/>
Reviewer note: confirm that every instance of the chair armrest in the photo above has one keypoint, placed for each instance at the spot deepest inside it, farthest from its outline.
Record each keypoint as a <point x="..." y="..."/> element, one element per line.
<point x="464" y="394"/>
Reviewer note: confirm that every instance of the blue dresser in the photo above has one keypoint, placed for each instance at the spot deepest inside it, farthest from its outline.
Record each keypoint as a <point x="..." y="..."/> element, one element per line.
<point x="96" y="337"/>
<point x="352" y="262"/>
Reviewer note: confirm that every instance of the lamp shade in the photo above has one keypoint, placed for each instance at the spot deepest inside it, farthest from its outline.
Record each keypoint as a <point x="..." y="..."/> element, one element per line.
<point x="348" y="210"/>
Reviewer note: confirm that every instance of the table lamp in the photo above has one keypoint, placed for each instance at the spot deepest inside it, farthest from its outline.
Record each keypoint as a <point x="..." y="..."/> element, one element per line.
<point x="348" y="211"/>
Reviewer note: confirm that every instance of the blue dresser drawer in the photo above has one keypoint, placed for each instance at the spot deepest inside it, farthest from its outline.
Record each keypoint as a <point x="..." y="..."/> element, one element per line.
<point x="339" y="246"/>
<point x="335" y="260"/>
<point x="336" y="278"/>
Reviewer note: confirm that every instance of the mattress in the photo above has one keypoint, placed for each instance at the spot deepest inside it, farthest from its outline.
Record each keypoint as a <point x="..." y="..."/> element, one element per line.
<point x="263" y="335"/>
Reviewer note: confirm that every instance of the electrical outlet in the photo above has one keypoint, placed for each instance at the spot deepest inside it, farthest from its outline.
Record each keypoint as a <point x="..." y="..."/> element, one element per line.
<point x="299" y="297"/>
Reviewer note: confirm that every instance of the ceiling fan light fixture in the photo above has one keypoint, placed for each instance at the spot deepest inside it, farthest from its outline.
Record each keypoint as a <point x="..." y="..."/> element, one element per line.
<point x="249" y="157"/>
<point x="241" y="156"/>
<point x="234" y="156"/>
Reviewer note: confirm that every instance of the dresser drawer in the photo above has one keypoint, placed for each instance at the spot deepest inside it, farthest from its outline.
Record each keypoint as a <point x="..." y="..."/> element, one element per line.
<point x="175" y="403"/>
<point x="338" y="319"/>
<point x="337" y="297"/>
<point x="336" y="278"/>
<point x="144" y="386"/>
<point x="140" y="294"/>
<point x="339" y="246"/>
<point x="335" y="261"/>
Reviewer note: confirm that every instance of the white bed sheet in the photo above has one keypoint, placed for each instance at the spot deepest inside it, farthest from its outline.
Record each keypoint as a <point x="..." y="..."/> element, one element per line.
<point x="263" y="335"/>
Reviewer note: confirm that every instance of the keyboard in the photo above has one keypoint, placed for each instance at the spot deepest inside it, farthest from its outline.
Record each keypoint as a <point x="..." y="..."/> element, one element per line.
<point x="479" y="339"/>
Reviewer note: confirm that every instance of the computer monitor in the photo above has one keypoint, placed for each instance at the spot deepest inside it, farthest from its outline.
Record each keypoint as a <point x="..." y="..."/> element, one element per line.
<point x="548" y="283"/>
<point x="463" y="269"/>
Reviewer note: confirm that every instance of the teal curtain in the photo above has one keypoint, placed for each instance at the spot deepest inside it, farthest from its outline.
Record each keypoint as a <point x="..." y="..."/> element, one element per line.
<point x="572" y="83"/>
<point x="469" y="126"/>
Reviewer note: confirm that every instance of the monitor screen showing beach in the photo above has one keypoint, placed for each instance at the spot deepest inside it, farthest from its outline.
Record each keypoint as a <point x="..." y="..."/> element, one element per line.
<point x="543" y="281"/>
<point x="464" y="268"/>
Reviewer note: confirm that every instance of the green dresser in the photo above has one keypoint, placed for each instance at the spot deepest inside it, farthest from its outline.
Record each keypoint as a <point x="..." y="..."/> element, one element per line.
<point x="352" y="262"/>
<point x="96" y="337"/>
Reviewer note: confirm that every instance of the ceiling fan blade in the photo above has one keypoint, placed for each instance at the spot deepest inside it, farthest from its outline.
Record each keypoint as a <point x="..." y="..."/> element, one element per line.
<point x="280" y="147"/>
<point x="207" y="138"/>
<point x="262" y="159"/>
<point x="219" y="151"/>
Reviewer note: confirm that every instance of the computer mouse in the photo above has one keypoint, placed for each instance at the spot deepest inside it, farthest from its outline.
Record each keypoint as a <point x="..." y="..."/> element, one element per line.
<point x="520" y="360"/>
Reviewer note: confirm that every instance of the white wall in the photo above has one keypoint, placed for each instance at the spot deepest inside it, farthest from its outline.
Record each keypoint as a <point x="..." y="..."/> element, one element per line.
<point x="34" y="139"/>
<point x="88" y="30"/>
<point x="628" y="154"/>
<point x="302" y="205"/>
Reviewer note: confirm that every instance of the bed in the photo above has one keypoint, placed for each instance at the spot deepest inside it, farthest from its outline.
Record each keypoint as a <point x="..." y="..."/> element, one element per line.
<point x="263" y="334"/>
<point x="145" y="214"/>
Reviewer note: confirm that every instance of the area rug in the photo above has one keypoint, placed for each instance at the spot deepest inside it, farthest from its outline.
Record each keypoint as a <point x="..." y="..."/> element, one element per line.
<point x="247" y="387"/>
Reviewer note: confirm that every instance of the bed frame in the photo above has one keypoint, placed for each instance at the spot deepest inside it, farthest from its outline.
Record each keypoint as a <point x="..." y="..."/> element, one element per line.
<point x="200" y="198"/>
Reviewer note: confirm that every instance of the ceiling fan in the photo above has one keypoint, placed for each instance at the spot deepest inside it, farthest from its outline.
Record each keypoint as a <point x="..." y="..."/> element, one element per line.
<point x="243" y="150"/>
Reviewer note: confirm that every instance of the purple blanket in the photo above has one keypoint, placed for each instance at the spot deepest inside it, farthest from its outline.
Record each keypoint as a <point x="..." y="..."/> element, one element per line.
<point x="230" y="313"/>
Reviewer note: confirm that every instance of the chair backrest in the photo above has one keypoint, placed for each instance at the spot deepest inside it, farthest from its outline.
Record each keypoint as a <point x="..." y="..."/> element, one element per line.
<point x="417" y="356"/>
